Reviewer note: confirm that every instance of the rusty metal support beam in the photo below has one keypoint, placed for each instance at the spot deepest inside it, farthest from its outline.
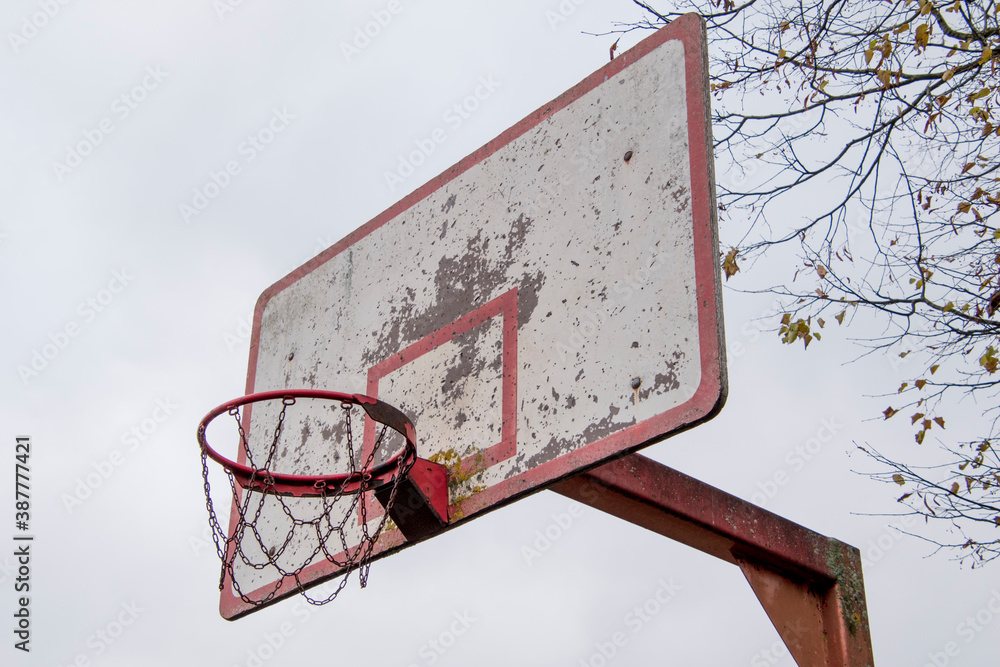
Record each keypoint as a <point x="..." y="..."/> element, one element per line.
<point x="810" y="585"/>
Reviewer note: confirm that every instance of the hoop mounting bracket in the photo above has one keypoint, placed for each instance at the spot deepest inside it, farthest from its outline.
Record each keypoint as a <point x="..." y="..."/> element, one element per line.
<point x="421" y="506"/>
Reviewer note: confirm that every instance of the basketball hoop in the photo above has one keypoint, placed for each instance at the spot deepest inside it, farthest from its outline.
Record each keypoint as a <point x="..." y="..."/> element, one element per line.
<point x="332" y="511"/>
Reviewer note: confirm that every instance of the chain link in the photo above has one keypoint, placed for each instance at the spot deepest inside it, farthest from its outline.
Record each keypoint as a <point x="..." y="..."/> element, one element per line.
<point x="329" y="526"/>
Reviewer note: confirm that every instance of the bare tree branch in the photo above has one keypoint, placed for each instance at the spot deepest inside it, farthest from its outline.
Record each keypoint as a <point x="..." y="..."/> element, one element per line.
<point x="880" y="115"/>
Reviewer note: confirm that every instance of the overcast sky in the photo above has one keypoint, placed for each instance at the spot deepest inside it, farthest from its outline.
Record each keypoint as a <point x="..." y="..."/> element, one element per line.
<point x="128" y="301"/>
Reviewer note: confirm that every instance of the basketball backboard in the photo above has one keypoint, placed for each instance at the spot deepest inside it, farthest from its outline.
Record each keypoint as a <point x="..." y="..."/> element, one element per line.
<point x="550" y="302"/>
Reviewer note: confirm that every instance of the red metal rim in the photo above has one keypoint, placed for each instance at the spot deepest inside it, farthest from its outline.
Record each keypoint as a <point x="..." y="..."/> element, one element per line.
<point x="315" y="485"/>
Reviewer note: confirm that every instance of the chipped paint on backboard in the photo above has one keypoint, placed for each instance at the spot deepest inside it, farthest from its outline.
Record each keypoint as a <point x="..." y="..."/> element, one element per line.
<point x="508" y="306"/>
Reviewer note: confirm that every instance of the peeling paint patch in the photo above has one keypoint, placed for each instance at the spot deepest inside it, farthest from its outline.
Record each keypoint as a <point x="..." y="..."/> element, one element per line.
<point x="664" y="381"/>
<point x="593" y="432"/>
<point x="596" y="256"/>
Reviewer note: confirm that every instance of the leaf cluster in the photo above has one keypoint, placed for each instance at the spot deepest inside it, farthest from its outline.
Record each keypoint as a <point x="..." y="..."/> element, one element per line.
<point x="863" y="136"/>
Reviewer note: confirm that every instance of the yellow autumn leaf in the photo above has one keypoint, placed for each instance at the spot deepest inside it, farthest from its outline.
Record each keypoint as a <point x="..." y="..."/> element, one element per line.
<point x="985" y="92"/>
<point x="954" y="488"/>
<point x="898" y="479"/>
<point x="989" y="360"/>
<point x="729" y="264"/>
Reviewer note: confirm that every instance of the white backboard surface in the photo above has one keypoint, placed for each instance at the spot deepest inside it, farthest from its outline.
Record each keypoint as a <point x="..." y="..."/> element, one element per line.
<point x="548" y="303"/>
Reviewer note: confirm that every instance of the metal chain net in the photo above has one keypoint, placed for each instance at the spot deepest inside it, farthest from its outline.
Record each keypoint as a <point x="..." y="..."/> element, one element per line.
<point x="337" y="510"/>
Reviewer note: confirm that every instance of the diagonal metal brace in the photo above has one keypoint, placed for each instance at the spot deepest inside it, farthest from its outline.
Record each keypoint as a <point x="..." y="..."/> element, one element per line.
<point x="810" y="585"/>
